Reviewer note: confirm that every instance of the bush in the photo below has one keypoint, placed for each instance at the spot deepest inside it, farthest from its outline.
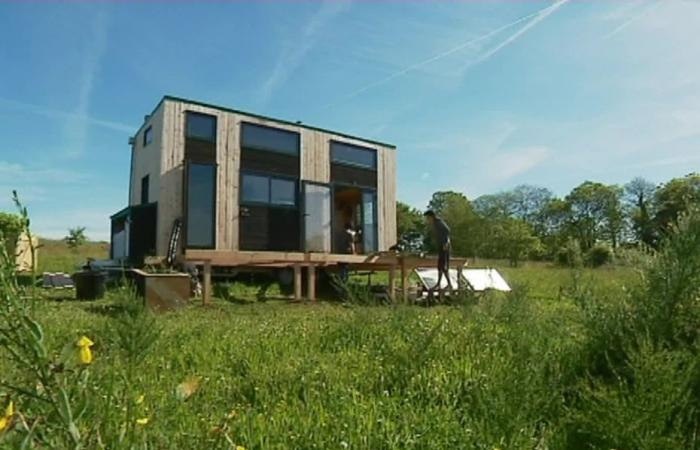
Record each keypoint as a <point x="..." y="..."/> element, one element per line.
<point x="11" y="226"/>
<point x="599" y="255"/>
<point x="570" y="254"/>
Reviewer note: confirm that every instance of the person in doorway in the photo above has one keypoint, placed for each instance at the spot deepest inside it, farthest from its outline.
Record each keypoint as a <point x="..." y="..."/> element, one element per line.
<point x="349" y="245"/>
<point x="441" y="234"/>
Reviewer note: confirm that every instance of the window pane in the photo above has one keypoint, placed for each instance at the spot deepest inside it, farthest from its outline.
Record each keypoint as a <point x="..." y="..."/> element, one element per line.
<point x="272" y="139"/>
<point x="145" y="187"/>
<point x="148" y="136"/>
<point x="201" y="183"/>
<point x="201" y="126"/>
<point x="256" y="189"/>
<point x="283" y="192"/>
<point x="353" y="155"/>
<point x="369" y="224"/>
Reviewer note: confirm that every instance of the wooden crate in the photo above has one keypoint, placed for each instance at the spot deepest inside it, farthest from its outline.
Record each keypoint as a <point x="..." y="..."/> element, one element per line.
<point x="162" y="291"/>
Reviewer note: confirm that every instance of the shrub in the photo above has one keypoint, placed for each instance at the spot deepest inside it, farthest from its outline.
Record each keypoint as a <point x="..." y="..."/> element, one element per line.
<point x="570" y="254"/>
<point x="599" y="255"/>
<point x="11" y="226"/>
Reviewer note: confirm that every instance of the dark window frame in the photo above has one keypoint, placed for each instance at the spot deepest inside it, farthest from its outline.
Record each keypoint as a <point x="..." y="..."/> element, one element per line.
<point x="189" y="114"/>
<point x="269" y="149"/>
<point x="145" y="196"/>
<point x="148" y="135"/>
<point x="188" y="163"/>
<point x="375" y="154"/>
<point x="270" y="177"/>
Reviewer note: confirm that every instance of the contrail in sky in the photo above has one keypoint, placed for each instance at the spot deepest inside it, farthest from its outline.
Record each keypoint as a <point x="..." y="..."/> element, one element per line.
<point x="632" y="19"/>
<point x="535" y="18"/>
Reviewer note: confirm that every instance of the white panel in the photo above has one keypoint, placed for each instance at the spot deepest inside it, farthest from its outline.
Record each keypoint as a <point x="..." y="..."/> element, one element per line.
<point x="317" y="218"/>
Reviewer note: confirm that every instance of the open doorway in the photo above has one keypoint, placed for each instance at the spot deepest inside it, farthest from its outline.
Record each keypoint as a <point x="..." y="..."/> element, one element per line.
<point x="354" y="207"/>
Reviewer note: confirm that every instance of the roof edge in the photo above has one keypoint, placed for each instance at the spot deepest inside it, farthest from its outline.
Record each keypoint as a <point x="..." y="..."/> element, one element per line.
<point x="260" y="116"/>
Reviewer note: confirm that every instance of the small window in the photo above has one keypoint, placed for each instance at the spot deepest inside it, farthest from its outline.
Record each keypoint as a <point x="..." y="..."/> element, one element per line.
<point x="148" y="136"/>
<point x="271" y="139"/>
<point x="353" y="155"/>
<point x="145" y="186"/>
<point x="201" y="126"/>
<point x="283" y="192"/>
<point x="256" y="189"/>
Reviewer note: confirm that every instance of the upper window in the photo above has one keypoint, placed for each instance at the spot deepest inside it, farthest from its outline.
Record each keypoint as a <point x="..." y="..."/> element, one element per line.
<point x="268" y="190"/>
<point x="201" y="126"/>
<point x="353" y="155"/>
<point x="270" y="139"/>
<point x="148" y="136"/>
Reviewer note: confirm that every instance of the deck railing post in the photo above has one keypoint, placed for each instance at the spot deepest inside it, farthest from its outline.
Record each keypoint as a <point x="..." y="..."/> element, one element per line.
<point x="311" y="280"/>
<point x="206" y="289"/>
<point x="392" y="284"/>
<point x="297" y="282"/>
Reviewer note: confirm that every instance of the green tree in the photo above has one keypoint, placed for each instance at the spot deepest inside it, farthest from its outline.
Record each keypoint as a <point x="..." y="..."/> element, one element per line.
<point x="411" y="227"/>
<point x="595" y="214"/>
<point x="457" y="212"/>
<point x="639" y="201"/>
<point x="515" y="240"/>
<point x="674" y="198"/>
<point x="76" y="237"/>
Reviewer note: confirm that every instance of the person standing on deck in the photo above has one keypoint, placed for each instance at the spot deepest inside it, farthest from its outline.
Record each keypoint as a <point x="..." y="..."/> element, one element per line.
<point x="441" y="234"/>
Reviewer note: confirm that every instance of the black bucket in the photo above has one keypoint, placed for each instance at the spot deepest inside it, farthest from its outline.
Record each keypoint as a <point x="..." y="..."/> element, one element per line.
<point x="89" y="285"/>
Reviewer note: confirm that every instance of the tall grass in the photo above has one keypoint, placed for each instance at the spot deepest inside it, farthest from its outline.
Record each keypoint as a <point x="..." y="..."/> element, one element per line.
<point x="592" y="366"/>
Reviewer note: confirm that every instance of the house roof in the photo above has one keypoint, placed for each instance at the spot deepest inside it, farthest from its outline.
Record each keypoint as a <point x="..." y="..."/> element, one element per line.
<point x="259" y="116"/>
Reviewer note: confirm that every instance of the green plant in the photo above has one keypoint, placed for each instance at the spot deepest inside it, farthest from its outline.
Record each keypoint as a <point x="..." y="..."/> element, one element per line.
<point x="76" y="237"/>
<point x="599" y="255"/>
<point x="570" y="254"/>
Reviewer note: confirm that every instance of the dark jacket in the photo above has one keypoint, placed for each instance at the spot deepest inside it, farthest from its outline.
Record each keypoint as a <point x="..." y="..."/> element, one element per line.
<point x="441" y="232"/>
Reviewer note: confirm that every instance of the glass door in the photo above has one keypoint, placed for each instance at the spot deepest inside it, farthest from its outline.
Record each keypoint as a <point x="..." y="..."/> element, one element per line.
<point x="317" y="217"/>
<point x="369" y="221"/>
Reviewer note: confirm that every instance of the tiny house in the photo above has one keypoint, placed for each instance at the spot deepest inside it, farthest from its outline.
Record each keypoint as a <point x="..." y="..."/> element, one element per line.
<point x="233" y="183"/>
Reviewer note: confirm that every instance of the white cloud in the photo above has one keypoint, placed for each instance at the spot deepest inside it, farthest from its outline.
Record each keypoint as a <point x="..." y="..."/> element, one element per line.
<point x="505" y="166"/>
<point x="76" y="128"/>
<point x="290" y="59"/>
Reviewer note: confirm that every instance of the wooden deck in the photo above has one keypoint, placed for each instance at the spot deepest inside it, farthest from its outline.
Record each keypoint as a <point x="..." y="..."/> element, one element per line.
<point x="392" y="262"/>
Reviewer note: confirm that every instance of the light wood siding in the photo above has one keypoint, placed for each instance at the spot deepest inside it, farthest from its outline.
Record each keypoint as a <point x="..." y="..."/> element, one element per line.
<point x="146" y="160"/>
<point x="315" y="166"/>
<point x="386" y="198"/>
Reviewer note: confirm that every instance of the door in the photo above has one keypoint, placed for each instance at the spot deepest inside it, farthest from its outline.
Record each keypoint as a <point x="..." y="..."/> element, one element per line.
<point x="369" y="221"/>
<point x="317" y="217"/>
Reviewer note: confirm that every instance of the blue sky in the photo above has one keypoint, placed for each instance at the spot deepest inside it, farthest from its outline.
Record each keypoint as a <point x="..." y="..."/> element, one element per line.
<point x="478" y="96"/>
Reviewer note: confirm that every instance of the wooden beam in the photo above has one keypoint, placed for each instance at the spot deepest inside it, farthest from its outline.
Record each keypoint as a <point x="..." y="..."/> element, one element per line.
<point x="297" y="282"/>
<point x="311" y="280"/>
<point x="404" y="280"/>
<point x="206" y="289"/>
<point x="392" y="284"/>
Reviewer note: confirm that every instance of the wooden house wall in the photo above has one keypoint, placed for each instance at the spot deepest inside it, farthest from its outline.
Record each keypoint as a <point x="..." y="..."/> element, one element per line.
<point x="146" y="160"/>
<point x="315" y="166"/>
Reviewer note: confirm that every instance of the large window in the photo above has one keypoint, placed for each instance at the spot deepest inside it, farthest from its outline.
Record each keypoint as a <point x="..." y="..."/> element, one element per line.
<point x="201" y="205"/>
<point x="201" y="126"/>
<point x="261" y="189"/>
<point x="353" y="155"/>
<point x="257" y="137"/>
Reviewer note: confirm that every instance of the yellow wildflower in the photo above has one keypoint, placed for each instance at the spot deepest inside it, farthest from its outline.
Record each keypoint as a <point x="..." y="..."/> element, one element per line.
<point x="7" y="417"/>
<point x="139" y="400"/>
<point x="84" y="345"/>
<point x="240" y="447"/>
<point x="142" y="421"/>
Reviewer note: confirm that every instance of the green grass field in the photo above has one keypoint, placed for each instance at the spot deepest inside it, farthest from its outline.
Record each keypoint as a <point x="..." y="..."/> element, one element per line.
<point x="56" y="256"/>
<point x="519" y="371"/>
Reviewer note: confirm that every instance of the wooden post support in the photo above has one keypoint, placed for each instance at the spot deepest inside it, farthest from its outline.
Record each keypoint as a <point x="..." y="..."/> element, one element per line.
<point x="206" y="289"/>
<point x="311" y="280"/>
<point x="460" y="276"/>
<point x="404" y="280"/>
<point x="392" y="284"/>
<point x="297" y="282"/>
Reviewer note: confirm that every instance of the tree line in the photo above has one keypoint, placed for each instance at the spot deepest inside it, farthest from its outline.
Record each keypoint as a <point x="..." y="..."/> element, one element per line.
<point x="589" y="224"/>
